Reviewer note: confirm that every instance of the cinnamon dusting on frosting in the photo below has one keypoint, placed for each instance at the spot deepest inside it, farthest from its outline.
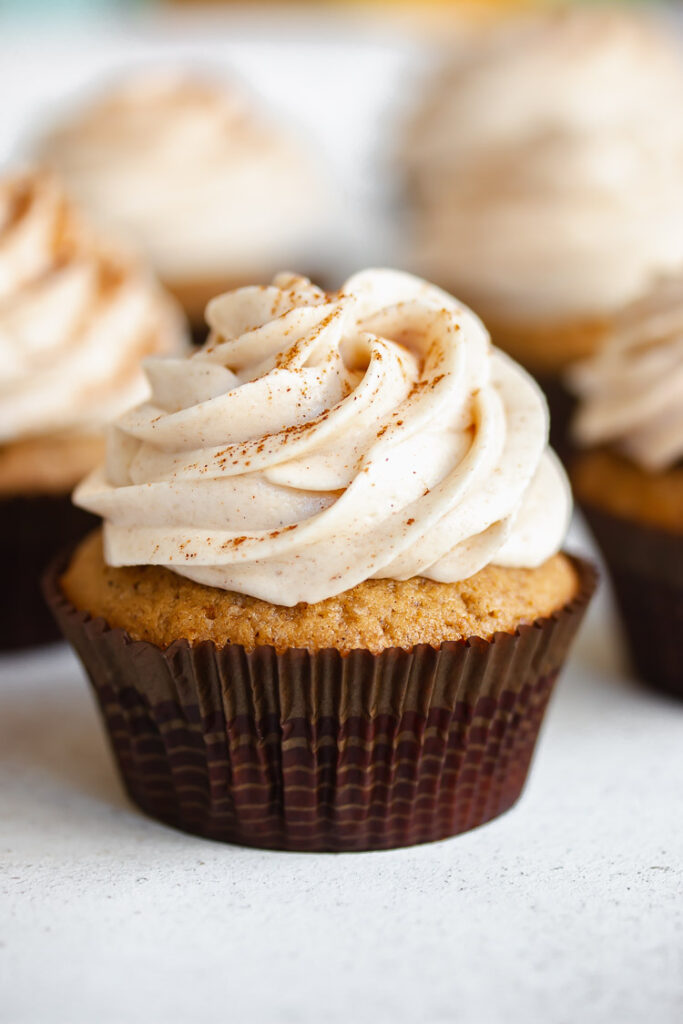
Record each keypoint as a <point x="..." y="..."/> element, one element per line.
<point x="373" y="459"/>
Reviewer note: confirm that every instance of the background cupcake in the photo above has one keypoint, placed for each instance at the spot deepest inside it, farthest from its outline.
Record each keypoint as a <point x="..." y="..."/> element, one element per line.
<point x="331" y="561"/>
<point x="211" y="191"/>
<point x="546" y="170"/>
<point x="629" y="478"/>
<point x="76" y="318"/>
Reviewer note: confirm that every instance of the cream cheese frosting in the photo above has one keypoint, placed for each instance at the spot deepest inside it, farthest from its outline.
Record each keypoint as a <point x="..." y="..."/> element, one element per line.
<point x="548" y="167"/>
<point x="318" y="440"/>
<point x="194" y="177"/>
<point x="76" y="318"/>
<point x="631" y="392"/>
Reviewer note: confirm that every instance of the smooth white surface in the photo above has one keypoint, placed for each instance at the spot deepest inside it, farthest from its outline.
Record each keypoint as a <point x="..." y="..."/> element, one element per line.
<point x="568" y="909"/>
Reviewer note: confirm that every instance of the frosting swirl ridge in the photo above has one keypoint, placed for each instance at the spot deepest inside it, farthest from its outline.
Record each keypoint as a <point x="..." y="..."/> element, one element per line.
<point x="76" y="317"/>
<point x="318" y="440"/>
<point x="631" y="391"/>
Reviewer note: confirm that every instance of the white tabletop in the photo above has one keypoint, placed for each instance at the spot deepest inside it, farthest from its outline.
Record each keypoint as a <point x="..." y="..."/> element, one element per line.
<point x="567" y="909"/>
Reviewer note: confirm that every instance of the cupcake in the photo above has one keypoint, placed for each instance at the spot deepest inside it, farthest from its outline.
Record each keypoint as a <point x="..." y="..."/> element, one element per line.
<point x="628" y="474"/>
<point x="328" y="604"/>
<point x="76" y="317"/>
<point x="213" y="193"/>
<point x="546" y="172"/>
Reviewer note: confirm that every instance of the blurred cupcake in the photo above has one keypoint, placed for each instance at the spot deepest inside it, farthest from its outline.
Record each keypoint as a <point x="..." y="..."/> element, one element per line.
<point x="211" y="191"/>
<point x="629" y="478"/>
<point x="328" y="606"/>
<point x="76" y="317"/>
<point x="546" y="168"/>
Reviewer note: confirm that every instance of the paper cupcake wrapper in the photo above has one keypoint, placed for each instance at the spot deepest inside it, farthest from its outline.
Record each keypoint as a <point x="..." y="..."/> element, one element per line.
<point x="646" y="567"/>
<point x="32" y="531"/>
<point x="305" y="750"/>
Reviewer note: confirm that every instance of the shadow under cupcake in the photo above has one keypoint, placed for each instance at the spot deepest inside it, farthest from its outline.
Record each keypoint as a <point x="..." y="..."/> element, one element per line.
<point x="328" y="607"/>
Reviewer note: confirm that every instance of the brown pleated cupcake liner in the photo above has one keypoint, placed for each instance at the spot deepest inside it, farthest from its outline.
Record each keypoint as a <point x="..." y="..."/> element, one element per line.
<point x="646" y="567"/>
<point x="318" y="750"/>
<point x="32" y="530"/>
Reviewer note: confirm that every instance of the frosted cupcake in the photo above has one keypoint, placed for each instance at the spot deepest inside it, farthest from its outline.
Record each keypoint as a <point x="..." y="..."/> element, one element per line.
<point x="628" y="474"/>
<point x="547" y="173"/>
<point x="211" y="191"/>
<point x="328" y="594"/>
<point x="76" y="318"/>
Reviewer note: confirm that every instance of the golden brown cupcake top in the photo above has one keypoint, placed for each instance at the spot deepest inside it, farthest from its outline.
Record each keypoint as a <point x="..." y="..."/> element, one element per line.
<point x="153" y="604"/>
<point x="608" y="481"/>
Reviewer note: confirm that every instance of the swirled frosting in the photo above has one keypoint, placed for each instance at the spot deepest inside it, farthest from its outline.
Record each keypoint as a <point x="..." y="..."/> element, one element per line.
<point x="192" y="175"/>
<point x="548" y="167"/>
<point x="631" y="392"/>
<point x="318" y="440"/>
<point x="76" y="318"/>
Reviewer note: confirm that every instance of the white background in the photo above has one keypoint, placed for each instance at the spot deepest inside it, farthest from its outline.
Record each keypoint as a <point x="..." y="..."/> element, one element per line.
<point x="568" y="909"/>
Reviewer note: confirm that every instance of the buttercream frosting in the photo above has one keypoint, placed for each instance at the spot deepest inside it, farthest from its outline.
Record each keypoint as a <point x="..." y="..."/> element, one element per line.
<point x="318" y="440"/>
<point x="631" y="391"/>
<point x="548" y="166"/>
<point x="196" y="178"/>
<point x="76" y="317"/>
